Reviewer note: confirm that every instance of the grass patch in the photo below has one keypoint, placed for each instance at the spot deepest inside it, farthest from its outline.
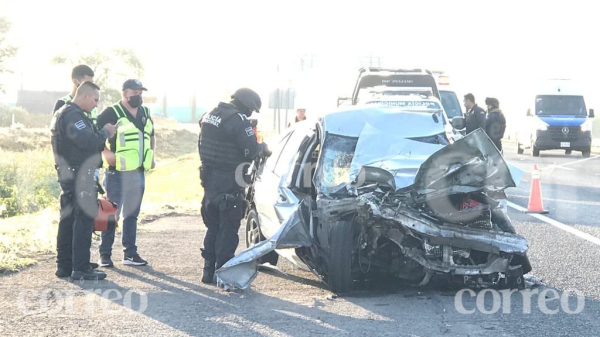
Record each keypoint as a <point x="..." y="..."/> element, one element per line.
<point x="23" y="237"/>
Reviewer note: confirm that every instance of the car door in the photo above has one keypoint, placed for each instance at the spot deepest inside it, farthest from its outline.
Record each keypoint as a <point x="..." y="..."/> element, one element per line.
<point x="277" y="201"/>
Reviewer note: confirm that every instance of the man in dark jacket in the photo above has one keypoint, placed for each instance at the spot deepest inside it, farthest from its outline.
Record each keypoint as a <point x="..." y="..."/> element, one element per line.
<point x="227" y="142"/>
<point x="496" y="123"/>
<point x="475" y="114"/>
<point x="77" y="145"/>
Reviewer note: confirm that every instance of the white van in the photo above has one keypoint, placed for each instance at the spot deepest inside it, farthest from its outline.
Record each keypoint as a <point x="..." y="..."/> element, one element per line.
<point x="556" y="118"/>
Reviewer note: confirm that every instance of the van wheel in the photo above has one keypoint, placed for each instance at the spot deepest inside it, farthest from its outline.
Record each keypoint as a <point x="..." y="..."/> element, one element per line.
<point x="568" y="152"/>
<point x="254" y="236"/>
<point x="339" y="269"/>
<point x="587" y="152"/>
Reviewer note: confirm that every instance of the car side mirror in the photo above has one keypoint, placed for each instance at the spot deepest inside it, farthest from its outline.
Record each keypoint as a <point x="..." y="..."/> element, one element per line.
<point x="591" y="114"/>
<point x="458" y="122"/>
<point x="529" y="113"/>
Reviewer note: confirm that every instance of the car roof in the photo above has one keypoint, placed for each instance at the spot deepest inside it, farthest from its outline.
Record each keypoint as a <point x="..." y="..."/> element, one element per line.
<point x="350" y="122"/>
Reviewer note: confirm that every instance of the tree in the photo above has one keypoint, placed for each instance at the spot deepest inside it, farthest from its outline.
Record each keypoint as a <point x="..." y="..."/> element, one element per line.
<point x="111" y="69"/>
<point x="6" y="51"/>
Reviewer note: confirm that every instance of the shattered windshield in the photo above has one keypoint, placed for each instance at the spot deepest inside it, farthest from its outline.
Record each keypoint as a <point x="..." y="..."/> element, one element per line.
<point x="337" y="158"/>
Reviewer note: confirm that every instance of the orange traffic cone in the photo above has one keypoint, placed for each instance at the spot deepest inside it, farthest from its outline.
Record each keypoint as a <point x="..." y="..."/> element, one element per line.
<point x="535" y="196"/>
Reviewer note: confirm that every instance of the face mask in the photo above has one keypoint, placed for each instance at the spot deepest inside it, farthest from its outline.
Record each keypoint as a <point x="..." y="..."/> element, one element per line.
<point x="135" y="101"/>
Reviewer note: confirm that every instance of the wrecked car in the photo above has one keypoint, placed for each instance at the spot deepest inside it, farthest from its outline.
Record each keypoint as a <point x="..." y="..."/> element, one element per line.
<point x="379" y="191"/>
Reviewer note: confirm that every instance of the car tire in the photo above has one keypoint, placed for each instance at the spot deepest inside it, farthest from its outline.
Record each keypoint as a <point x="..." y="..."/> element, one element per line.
<point x="586" y="153"/>
<point x="339" y="271"/>
<point x="255" y="236"/>
<point x="519" y="149"/>
<point x="568" y="152"/>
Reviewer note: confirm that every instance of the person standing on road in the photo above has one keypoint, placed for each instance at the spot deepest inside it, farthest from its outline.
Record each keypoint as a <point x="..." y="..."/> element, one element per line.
<point x="475" y="115"/>
<point x="300" y="116"/>
<point x="77" y="146"/>
<point x="496" y="123"/>
<point x="79" y="74"/>
<point x="131" y="153"/>
<point x="226" y="142"/>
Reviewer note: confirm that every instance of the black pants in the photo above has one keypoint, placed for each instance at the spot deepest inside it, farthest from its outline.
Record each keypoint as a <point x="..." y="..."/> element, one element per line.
<point x="222" y="217"/>
<point x="78" y="208"/>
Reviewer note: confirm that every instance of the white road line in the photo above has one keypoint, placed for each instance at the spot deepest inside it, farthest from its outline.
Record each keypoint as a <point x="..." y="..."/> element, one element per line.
<point x="558" y="225"/>
<point x="579" y="161"/>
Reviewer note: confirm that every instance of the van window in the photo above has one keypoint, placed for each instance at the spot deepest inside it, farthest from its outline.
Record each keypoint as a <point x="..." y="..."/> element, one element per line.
<point x="548" y="105"/>
<point x="451" y="104"/>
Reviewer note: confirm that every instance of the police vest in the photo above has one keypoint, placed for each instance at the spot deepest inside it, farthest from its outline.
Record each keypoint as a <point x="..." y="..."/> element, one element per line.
<point x="218" y="149"/>
<point x="92" y="115"/>
<point x="133" y="148"/>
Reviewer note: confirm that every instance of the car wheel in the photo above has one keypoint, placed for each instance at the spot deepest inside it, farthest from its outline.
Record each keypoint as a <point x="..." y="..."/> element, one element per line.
<point x="339" y="271"/>
<point x="254" y="236"/>
<point x="586" y="153"/>
<point x="568" y="152"/>
<point x="519" y="149"/>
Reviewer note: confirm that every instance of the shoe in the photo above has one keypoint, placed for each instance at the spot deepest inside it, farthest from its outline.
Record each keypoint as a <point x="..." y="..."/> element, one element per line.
<point x="134" y="260"/>
<point x="62" y="272"/>
<point x="208" y="273"/>
<point x="94" y="265"/>
<point x="105" y="261"/>
<point x="89" y="274"/>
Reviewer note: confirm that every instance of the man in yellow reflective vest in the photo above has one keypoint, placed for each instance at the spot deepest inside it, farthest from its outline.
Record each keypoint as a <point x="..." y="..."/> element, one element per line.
<point x="80" y="74"/>
<point x="131" y="153"/>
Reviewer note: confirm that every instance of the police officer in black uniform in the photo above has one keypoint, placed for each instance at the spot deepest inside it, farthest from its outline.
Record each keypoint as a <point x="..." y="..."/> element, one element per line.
<point x="475" y="114"/>
<point x="77" y="144"/>
<point x="496" y="122"/>
<point x="226" y="143"/>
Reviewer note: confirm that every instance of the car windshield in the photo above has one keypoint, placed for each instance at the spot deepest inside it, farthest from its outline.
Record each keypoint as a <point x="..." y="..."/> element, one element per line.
<point x="451" y="104"/>
<point x="548" y="105"/>
<point x="344" y="156"/>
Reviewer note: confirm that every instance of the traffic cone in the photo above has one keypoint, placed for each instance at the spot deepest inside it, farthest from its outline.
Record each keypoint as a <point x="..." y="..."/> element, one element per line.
<point x="535" y="196"/>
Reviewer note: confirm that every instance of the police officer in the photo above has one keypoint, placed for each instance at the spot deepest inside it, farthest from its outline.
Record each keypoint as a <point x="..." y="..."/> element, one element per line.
<point x="496" y="123"/>
<point x="131" y="153"/>
<point x="475" y="114"/>
<point x="79" y="74"/>
<point x="77" y="145"/>
<point x="226" y="143"/>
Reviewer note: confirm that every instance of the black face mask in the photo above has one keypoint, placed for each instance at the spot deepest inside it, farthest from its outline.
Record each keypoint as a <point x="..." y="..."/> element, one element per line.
<point x="135" y="101"/>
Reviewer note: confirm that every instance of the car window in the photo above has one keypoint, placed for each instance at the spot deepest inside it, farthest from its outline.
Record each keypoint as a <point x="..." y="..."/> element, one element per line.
<point x="270" y="164"/>
<point x="451" y="104"/>
<point x="289" y="151"/>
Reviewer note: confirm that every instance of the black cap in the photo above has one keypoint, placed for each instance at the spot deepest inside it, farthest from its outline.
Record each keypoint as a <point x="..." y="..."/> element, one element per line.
<point x="133" y="84"/>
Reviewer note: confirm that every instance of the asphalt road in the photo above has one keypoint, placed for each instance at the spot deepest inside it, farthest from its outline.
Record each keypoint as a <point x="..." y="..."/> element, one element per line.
<point x="297" y="304"/>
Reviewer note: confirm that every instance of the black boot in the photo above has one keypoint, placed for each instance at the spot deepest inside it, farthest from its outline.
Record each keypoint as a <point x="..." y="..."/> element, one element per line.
<point x="208" y="273"/>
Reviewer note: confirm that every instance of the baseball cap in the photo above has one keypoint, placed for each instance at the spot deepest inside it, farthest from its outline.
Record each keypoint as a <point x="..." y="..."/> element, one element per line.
<point x="133" y="84"/>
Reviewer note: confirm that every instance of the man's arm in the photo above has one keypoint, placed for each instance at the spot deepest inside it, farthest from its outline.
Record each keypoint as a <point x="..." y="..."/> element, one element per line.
<point x="82" y="134"/>
<point x="246" y="139"/>
<point x="107" y="116"/>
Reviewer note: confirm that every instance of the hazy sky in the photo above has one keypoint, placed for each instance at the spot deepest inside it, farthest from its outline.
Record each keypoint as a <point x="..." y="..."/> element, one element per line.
<point x="212" y="47"/>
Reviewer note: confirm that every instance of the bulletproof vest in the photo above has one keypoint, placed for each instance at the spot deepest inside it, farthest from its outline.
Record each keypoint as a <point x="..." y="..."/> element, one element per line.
<point x="66" y="154"/>
<point x="216" y="144"/>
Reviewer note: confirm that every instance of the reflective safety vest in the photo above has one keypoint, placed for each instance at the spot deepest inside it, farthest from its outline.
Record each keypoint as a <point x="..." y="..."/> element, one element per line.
<point x="93" y="115"/>
<point x="133" y="147"/>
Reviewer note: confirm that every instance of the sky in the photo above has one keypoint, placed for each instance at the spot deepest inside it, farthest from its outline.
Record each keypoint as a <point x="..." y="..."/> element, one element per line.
<point x="490" y="48"/>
